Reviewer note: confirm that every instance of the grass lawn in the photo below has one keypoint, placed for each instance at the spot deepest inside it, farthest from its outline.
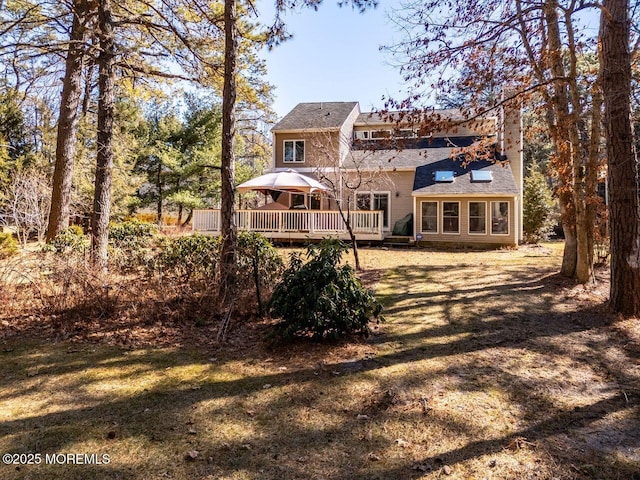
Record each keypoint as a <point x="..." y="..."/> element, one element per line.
<point x="489" y="366"/>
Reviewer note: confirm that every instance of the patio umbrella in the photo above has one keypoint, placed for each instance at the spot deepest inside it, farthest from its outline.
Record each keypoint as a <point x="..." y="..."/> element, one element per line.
<point x="286" y="180"/>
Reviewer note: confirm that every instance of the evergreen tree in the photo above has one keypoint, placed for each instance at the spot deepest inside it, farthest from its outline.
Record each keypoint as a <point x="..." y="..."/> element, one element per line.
<point x="537" y="205"/>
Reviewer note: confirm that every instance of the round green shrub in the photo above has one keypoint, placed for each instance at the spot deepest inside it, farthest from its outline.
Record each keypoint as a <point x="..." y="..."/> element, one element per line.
<point x="321" y="298"/>
<point x="8" y="245"/>
<point x="129" y="244"/>
<point x="259" y="265"/>
<point x="70" y="240"/>
<point x="192" y="257"/>
<point x="132" y="234"/>
<point x="255" y="251"/>
<point x="537" y="220"/>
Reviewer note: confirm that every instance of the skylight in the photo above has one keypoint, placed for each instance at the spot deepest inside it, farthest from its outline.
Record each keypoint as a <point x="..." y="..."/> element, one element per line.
<point x="481" y="176"/>
<point x="444" y="176"/>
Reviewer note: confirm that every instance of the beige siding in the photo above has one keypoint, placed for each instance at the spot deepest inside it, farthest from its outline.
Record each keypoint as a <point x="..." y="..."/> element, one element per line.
<point x="513" y="151"/>
<point x="401" y="199"/>
<point x="399" y="185"/>
<point x="320" y="149"/>
<point x="346" y="134"/>
<point x="478" y="127"/>
<point x="464" y="237"/>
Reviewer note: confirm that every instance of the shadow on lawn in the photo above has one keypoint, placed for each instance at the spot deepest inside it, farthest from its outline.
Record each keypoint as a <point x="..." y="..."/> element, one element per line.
<point x="282" y="435"/>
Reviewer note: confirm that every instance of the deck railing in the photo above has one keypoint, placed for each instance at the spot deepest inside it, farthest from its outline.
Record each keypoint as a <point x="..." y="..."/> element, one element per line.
<point x="312" y="222"/>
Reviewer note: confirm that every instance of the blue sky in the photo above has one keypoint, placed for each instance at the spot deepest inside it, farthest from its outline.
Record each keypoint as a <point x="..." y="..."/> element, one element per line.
<point x="334" y="56"/>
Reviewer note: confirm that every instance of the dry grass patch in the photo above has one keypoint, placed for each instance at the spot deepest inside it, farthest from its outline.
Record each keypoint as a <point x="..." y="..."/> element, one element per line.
<point x="490" y="366"/>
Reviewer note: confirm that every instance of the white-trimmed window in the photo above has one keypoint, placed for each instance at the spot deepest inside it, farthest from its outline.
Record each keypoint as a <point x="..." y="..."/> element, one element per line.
<point x="450" y="217"/>
<point x="429" y="215"/>
<point x="293" y="151"/>
<point x="499" y="218"/>
<point x="405" y="133"/>
<point x="315" y="202"/>
<point x="297" y="200"/>
<point x="375" y="201"/>
<point x="381" y="134"/>
<point x="477" y="218"/>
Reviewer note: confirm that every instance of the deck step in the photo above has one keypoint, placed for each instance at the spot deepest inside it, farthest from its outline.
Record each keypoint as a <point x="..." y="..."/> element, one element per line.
<point x="398" y="242"/>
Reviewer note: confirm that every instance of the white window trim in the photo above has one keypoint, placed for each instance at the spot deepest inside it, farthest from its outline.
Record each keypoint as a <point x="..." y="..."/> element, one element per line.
<point x="284" y="158"/>
<point x="371" y="193"/>
<point x="412" y="135"/>
<point x="437" y="232"/>
<point x="389" y="131"/>
<point x="304" y="196"/>
<point x="442" y="218"/>
<point x="508" y="219"/>
<point x="486" y="227"/>
<point x="393" y="134"/>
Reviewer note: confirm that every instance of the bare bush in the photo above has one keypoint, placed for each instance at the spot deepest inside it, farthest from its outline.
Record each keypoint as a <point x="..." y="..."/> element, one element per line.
<point x="26" y="206"/>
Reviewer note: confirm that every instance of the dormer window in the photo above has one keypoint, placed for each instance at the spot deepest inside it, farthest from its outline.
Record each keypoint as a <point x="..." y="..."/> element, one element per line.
<point x="405" y="133"/>
<point x="294" y="151"/>
<point x="380" y="134"/>
<point x="444" y="176"/>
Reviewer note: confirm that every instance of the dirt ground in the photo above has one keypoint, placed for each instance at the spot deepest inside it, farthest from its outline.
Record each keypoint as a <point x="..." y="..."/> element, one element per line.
<point x="489" y="366"/>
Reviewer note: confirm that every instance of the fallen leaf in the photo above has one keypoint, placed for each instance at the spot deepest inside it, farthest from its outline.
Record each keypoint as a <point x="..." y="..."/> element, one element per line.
<point x="192" y="454"/>
<point x="402" y="443"/>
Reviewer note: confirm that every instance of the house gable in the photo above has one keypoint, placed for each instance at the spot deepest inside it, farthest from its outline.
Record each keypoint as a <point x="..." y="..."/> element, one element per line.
<point x="316" y="116"/>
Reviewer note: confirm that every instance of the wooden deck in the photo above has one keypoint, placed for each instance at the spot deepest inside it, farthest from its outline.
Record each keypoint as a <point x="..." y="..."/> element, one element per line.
<point x="295" y="224"/>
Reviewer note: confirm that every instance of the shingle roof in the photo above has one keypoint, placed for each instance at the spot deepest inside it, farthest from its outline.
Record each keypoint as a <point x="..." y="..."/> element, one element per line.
<point x="316" y="115"/>
<point x="388" y="159"/>
<point x="375" y="118"/>
<point x="426" y="161"/>
<point x="503" y="182"/>
<point x="413" y="152"/>
<point x="416" y="143"/>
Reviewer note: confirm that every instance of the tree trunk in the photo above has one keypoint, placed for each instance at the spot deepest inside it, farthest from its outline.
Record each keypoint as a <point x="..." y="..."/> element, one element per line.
<point x="622" y="164"/>
<point x="104" y="159"/>
<point x="159" y="186"/>
<point x="352" y="236"/>
<point x="570" y="253"/>
<point x="584" y="169"/>
<point x="559" y="126"/>
<point x="68" y="124"/>
<point x="189" y="217"/>
<point x="228" y="227"/>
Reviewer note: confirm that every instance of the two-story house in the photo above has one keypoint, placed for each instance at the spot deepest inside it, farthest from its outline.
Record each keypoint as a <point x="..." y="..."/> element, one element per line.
<point x="452" y="180"/>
